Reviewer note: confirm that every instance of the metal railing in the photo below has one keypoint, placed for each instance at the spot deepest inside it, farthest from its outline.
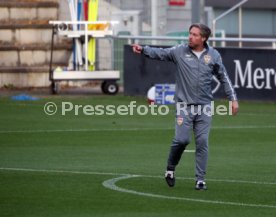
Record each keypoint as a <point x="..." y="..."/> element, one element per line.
<point x="118" y="43"/>
<point x="137" y="39"/>
<point x="226" y="13"/>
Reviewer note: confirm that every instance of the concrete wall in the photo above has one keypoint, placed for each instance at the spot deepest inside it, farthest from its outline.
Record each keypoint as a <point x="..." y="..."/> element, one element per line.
<point x="25" y="38"/>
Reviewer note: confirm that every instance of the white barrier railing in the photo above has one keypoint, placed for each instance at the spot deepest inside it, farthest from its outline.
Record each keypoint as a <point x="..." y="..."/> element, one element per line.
<point x="170" y="38"/>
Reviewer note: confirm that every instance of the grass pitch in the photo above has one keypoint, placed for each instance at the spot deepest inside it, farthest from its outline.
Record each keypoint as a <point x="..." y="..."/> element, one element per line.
<point x="56" y="165"/>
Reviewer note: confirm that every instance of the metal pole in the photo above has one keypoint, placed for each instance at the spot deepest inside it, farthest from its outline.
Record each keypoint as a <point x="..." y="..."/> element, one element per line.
<point x="195" y="11"/>
<point x="51" y="53"/>
<point x="198" y="11"/>
<point x="170" y="38"/>
<point x="111" y="41"/>
<point x="154" y="17"/>
<point x="86" y="45"/>
<point x="240" y="26"/>
<point x="154" y="24"/>
<point x="214" y="31"/>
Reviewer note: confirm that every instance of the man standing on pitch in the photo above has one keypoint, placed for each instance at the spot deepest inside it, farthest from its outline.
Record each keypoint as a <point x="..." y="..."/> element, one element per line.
<point x="196" y="64"/>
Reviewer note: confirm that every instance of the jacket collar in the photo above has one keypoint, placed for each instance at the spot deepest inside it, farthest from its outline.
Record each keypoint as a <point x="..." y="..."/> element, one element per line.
<point x="206" y="46"/>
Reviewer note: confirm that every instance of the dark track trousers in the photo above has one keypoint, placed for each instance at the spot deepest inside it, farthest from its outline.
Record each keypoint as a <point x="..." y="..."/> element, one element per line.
<point x="193" y="118"/>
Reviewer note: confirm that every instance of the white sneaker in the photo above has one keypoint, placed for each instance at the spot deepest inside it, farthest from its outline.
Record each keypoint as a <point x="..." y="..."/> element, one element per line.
<point x="169" y="177"/>
<point x="200" y="185"/>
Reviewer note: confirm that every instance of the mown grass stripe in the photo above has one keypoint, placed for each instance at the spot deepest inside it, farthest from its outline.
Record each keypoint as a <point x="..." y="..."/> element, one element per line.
<point x="128" y="129"/>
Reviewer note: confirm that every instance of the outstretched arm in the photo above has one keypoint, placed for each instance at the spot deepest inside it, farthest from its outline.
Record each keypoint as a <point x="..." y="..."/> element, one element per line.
<point x="166" y="54"/>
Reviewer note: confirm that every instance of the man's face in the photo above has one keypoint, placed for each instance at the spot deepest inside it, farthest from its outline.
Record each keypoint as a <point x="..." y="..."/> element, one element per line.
<point x="195" y="39"/>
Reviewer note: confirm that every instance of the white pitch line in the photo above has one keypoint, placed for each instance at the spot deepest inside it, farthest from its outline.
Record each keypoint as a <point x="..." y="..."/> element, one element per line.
<point x="124" y="174"/>
<point x="258" y="114"/>
<point x="111" y="184"/>
<point x="127" y="129"/>
<point x="81" y="130"/>
<point x="189" y="151"/>
<point x="216" y="180"/>
<point x="61" y="171"/>
<point x="244" y="127"/>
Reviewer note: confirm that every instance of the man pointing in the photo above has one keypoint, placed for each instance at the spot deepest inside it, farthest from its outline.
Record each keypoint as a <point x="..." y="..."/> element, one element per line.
<point x="196" y="64"/>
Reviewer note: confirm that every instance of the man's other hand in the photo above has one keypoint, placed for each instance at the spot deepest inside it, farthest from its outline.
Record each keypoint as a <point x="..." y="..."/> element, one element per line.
<point x="235" y="107"/>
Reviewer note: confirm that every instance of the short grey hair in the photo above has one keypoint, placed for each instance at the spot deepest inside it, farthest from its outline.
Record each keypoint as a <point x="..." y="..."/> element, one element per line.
<point x="205" y="31"/>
